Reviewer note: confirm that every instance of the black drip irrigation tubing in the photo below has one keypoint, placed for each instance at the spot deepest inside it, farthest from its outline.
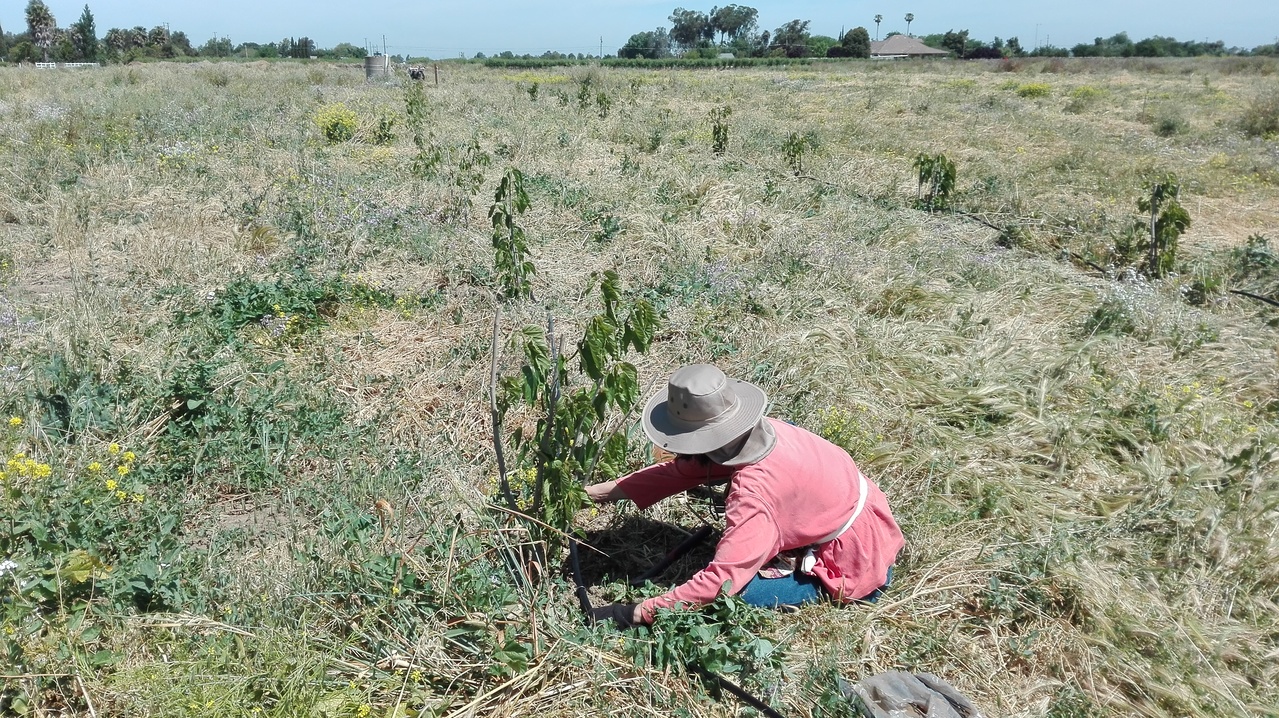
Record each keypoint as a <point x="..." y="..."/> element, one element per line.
<point x="583" y="598"/>
<point x="1258" y="297"/>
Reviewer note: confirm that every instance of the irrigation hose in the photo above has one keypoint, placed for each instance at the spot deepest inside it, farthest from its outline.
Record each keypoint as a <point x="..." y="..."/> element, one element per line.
<point x="584" y="599"/>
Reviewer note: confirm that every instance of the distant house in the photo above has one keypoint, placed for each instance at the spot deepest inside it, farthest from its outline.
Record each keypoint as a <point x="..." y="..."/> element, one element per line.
<point x="902" y="46"/>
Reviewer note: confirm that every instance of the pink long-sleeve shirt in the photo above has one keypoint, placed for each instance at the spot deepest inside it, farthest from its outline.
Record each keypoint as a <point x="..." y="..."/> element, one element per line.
<point x="803" y="491"/>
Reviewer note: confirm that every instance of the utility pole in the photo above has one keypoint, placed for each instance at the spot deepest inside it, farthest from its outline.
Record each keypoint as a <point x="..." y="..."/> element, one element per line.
<point x="1036" y="36"/>
<point x="601" y="47"/>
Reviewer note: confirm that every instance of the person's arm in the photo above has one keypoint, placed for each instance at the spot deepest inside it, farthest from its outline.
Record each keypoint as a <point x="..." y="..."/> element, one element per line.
<point x="605" y="492"/>
<point x="750" y="539"/>
<point x="648" y="486"/>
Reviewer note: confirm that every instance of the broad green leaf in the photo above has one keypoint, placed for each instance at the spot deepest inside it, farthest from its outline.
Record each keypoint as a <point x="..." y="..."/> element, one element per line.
<point x="641" y="326"/>
<point x="623" y="384"/>
<point x="611" y="292"/>
<point x="79" y="566"/>
<point x="594" y="347"/>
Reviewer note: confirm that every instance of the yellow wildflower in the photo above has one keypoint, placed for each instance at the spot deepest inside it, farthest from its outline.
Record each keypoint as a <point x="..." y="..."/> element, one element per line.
<point x="112" y="485"/>
<point x="121" y="495"/>
<point x="95" y="467"/>
<point x="15" y="422"/>
<point x="129" y="457"/>
<point x="42" y="471"/>
<point x="364" y="710"/>
<point x="137" y="498"/>
<point x="122" y="470"/>
<point x="114" y="448"/>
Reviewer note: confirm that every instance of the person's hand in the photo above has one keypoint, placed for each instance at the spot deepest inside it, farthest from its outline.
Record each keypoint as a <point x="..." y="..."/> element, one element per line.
<point x="623" y="615"/>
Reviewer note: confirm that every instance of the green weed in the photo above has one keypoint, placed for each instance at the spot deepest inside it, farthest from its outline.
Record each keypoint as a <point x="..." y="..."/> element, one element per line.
<point x="337" y="122"/>
<point x="1034" y="90"/>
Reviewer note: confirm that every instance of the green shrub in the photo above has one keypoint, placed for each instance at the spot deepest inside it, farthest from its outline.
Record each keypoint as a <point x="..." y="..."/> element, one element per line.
<point x="286" y="305"/>
<point x="336" y="122"/>
<point x="719" y="129"/>
<point x="1034" y="90"/>
<point x="1255" y="266"/>
<point x="1168" y="124"/>
<point x="794" y="149"/>
<point x="384" y="130"/>
<point x="1083" y="98"/>
<point x="1261" y="118"/>
<point x="936" y="176"/>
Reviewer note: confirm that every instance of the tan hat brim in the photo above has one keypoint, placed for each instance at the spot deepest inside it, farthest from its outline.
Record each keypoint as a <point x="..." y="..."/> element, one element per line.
<point x="751" y="402"/>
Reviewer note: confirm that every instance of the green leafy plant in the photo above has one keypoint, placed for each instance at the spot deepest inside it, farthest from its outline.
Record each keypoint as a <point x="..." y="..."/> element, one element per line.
<point x="1034" y="90"/>
<point x="532" y="92"/>
<point x="603" y="103"/>
<point x="572" y="441"/>
<point x="286" y="305"/>
<point x="828" y="692"/>
<point x="936" y="181"/>
<point x="84" y="538"/>
<point x="427" y="158"/>
<point x="794" y="149"/>
<point x="336" y="122"/>
<point x="510" y="247"/>
<point x="1255" y="265"/>
<point x="719" y="129"/>
<point x="384" y="129"/>
<point x="1169" y="123"/>
<point x="721" y="638"/>
<point x="1261" y="117"/>
<point x="1167" y="221"/>
<point x="1083" y="98"/>
<point x="610" y="227"/>
<point x="469" y="174"/>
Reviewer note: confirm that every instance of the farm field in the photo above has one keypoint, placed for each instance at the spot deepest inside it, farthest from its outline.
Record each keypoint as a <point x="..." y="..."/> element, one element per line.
<point x="246" y="319"/>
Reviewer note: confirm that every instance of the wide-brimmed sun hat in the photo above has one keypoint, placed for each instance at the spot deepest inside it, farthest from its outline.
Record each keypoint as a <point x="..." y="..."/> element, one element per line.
<point x="701" y="410"/>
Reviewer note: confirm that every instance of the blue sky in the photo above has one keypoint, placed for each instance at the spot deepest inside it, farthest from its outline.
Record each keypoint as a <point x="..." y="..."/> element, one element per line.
<point x="446" y="29"/>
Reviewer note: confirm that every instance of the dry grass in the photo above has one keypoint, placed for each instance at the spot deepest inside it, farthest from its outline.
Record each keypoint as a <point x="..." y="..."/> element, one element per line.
<point x="1080" y="507"/>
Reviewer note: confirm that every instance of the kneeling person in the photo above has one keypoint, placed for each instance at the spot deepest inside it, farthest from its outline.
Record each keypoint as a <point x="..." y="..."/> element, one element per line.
<point x="802" y="521"/>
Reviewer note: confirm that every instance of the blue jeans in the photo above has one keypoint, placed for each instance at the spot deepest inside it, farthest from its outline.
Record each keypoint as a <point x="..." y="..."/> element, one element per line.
<point x="796" y="590"/>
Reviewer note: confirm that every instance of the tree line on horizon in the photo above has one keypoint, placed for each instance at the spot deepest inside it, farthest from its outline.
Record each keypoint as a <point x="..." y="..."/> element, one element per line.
<point x="734" y="29"/>
<point x="44" y="41"/>
<point x="730" y="29"/>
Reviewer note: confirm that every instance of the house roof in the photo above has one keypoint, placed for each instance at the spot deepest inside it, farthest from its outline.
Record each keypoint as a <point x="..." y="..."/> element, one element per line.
<point x="904" y="45"/>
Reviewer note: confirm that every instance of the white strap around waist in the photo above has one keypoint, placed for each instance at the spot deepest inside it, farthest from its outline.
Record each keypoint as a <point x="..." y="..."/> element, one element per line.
<point x="861" y="504"/>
